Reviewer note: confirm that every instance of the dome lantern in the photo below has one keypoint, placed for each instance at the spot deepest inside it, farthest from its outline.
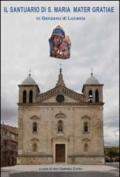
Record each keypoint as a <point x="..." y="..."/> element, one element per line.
<point x="91" y="80"/>
<point x="29" y="81"/>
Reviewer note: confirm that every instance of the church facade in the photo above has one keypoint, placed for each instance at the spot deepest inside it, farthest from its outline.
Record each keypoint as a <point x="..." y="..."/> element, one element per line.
<point x="60" y="125"/>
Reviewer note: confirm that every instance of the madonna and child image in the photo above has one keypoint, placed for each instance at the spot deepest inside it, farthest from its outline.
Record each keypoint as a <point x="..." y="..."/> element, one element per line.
<point x="59" y="44"/>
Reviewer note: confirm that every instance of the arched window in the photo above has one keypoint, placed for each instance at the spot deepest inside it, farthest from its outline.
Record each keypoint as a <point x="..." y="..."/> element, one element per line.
<point x="96" y="96"/>
<point x="24" y="96"/>
<point x="85" y="127"/>
<point x="90" y="92"/>
<point x="34" y="127"/>
<point x="85" y="147"/>
<point x="60" y="126"/>
<point x="34" y="147"/>
<point x="90" y="96"/>
<point x="30" y="96"/>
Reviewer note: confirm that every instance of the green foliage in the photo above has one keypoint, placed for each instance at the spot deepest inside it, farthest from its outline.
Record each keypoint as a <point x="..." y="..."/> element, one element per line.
<point x="112" y="152"/>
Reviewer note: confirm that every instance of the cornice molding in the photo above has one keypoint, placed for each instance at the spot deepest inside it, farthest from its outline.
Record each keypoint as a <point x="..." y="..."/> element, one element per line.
<point x="60" y="104"/>
<point x="85" y="117"/>
<point x="60" y="90"/>
<point x="34" y="117"/>
<point x="34" y="139"/>
<point x="60" y="115"/>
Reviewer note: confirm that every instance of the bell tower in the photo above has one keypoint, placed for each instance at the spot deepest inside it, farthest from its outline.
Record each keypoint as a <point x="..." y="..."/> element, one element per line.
<point x="93" y="90"/>
<point x="28" y="90"/>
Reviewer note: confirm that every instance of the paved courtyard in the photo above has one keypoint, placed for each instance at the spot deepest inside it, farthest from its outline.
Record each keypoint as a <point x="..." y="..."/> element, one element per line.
<point x="63" y="174"/>
<point x="60" y="171"/>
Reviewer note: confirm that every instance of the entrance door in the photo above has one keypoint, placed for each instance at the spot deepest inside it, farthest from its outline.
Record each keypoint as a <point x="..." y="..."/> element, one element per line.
<point x="60" y="153"/>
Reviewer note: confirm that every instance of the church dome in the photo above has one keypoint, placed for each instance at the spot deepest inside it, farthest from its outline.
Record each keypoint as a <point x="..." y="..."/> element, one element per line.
<point x="92" y="80"/>
<point x="29" y="81"/>
<point x="58" y="31"/>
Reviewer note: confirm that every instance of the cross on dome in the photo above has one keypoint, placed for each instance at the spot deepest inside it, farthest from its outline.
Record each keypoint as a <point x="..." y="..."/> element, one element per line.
<point x="60" y="79"/>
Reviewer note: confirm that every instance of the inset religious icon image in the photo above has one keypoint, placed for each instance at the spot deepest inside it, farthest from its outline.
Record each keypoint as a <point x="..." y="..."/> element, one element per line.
<point x="59" y="44"/>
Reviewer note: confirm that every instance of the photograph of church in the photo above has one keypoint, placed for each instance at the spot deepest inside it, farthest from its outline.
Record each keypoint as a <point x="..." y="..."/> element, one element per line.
<point x="60" y="126"/>
<point x="59" y="88"/>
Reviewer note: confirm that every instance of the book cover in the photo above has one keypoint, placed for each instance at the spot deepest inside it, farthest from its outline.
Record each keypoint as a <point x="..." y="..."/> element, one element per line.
<point x="59" y="86"/>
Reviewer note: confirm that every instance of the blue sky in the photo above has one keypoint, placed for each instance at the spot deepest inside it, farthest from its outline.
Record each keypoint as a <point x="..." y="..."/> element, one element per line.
<point x="94" y="45"/>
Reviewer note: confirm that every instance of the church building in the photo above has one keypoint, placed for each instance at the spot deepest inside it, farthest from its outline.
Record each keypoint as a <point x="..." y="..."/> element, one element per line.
<point x="60" y="126"/>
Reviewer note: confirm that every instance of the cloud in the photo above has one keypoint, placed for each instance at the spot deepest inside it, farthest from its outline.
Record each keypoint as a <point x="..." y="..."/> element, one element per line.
<point x="111" y="136"/>
<point x="94" y="45"/>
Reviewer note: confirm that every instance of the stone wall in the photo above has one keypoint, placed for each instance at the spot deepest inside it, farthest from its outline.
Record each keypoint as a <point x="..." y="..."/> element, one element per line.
<point x="70" y="160"/>
<point x="73" y="135"/>
<point x="34" y="160"/>
<point x="86" y="160"/>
